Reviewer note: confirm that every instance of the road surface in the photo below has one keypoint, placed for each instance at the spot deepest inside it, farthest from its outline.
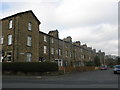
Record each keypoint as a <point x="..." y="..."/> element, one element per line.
<point x="90" y="79"/>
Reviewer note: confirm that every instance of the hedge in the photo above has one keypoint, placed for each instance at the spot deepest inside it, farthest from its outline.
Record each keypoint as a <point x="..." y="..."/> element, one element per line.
<point x="30" y="66"/>
<point x="89" y="63"/>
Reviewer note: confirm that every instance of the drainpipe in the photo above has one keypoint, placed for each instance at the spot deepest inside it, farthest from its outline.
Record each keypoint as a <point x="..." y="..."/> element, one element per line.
<point x="58" y="49"/>
<point x="49" y="47"/>
<point x="13" y="37"/>
<point x="18" y="41"/>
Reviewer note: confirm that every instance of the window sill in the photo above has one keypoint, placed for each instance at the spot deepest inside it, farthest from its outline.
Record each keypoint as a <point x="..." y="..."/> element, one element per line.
<point x="30" y="30"/>
<point x="9" y="45"/>
<point x="28" y="46"/>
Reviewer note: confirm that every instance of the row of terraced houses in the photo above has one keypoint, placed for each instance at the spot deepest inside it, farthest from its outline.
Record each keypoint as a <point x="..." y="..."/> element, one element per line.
<point x="23" y="41"/>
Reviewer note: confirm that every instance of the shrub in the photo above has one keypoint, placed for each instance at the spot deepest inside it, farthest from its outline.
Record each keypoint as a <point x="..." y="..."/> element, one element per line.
<point x="30" y="66"/>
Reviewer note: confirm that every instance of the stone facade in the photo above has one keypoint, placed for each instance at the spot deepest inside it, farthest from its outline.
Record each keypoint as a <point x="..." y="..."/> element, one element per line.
<point x="19" y="33"/>
<point x="102" y="57"/>
<point x="29" y="44"/>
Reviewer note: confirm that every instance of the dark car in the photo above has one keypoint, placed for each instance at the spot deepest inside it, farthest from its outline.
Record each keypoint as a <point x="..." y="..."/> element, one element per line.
<point x="103" y="67"/>
<point x="116" y="69"/>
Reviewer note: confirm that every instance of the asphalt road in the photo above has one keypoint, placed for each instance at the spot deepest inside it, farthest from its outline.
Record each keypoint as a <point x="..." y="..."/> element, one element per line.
<point x="91" y="79"/>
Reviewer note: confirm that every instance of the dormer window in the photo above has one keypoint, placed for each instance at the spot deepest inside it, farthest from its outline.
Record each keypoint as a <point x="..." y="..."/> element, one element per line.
<point x="29" y="26"/>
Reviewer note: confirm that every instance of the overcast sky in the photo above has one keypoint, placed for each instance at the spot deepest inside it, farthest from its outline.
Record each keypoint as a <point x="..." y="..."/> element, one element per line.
<point x="92" y="22"/>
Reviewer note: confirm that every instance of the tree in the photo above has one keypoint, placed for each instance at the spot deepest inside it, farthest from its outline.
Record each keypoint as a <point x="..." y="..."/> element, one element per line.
<point x="97" y="61"/>
<point x="118" y="60"/>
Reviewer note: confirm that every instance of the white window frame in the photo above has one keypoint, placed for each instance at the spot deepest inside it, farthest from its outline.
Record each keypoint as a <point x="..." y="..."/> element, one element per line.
<point x="75" y="53"/>
<point x="45" y="49"/>
<point x="66" y="53"/>
<point x="9" y="39"/>
<point x="9" y="56"/>
<point x="45" y="38"/>
<point x="29" y="26"/>
<point x="1" y="40"/>
<point x="10" y="24"/>
<point x="52" y="40"/>
<point x="29" y="41"/>
<point x="82" y="56"/>
<point x="56" y="51"/>
<point x="52" y="50"/>
<point x="29" y="57"/>
<point x="60" y="52"/>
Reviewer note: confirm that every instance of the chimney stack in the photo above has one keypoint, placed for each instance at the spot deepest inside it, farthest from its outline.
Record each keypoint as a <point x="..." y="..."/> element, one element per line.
<point x="54" y="33"/>
<point x="68" y="39"/>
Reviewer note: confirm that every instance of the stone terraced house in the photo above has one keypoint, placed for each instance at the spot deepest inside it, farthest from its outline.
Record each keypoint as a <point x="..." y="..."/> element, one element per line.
<point x="21" y="40"/>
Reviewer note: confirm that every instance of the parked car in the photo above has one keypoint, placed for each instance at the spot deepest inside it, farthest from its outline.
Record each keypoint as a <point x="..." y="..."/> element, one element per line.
<point x="116" y="69"/>
<point x="103" y="67"/>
